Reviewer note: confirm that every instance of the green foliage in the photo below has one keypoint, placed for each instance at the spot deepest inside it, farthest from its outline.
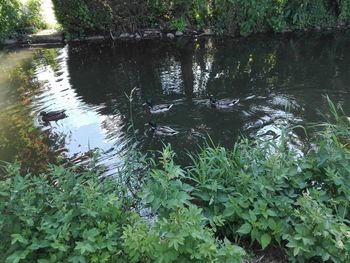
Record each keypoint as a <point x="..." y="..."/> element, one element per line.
<point x="260" y="191"/>
<point x="235" y="17"/>
<point x="81" y="17"/>
<point x="268" y="194"/>
<point x="69" y="216"/>
<point x="182" y="227"/>
<point x="62" y="216"/>
<point x="9" y="14"/>
<point x="178" y="24"/>
<point x="17" y="19"/>
<point x="344" y="7"/>
<point x="305" y="14"/>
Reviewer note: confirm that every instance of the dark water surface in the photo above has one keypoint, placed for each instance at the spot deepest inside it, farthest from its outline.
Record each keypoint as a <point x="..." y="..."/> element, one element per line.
<point x="280" y="82"/>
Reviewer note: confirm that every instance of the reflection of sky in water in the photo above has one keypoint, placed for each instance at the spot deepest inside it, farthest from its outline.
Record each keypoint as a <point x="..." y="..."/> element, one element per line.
<point x="275" y="87"/>
<point x="85" y="128"/>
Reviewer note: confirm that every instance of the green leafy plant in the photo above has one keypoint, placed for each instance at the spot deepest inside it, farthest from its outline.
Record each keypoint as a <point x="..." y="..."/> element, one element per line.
<point x="178" y="24"/>
<point x="61" y="216"/>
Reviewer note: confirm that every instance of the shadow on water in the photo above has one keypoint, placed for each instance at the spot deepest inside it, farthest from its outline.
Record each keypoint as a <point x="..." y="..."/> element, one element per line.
<point x="279" y="82"/>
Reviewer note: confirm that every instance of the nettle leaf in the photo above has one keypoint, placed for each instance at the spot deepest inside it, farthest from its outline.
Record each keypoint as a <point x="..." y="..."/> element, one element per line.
<point x="272" y="224"/>
<point x="265" y="240"/>
<point x="84" y="247"/>
<point x="245" y="229"/>
<point x="18" y="238"/>
<point x="91" y="234"/>
<point x="17" y="256"/>
<point x="37" y="244"/>
<point x="77" y="259"/>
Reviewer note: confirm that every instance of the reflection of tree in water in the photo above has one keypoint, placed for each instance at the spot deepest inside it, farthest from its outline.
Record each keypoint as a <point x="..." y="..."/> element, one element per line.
<point x="266" y="74"/>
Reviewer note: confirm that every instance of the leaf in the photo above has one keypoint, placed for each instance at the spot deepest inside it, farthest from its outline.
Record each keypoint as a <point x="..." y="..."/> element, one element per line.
<point x="84" y="247"/>
<point x="265" y="240"/>
<point x="17" y="256"/>
<point x="91" y="234"/>
<point x="18" y="238"/>
<point x="272" y="224"/>
<point x="245" y="229"/>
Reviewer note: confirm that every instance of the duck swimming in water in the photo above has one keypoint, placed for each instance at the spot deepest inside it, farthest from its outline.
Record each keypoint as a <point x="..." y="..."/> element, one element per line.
<point x="162" y="130"/>
<point x="161" y="108"/>
<point x="52" y="115"/>
<point x="222" y="104"/>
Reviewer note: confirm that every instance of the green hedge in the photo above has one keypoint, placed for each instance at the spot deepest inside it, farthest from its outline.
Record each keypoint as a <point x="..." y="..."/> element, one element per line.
<point x="83" y="15"/>
<point x="224" y="16"/>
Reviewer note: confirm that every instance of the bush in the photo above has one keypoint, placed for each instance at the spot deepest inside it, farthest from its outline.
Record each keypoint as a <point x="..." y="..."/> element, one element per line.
<point x="234" y="17"/>
<point x="62" y="216"/>
<point x="17" y="19"/>
<point x="344" y="11"/>
<point x="9" y="15"/>
<point x="266" y="193"/>
<point x="71" y="216"/>
<point x="84" y="17"/>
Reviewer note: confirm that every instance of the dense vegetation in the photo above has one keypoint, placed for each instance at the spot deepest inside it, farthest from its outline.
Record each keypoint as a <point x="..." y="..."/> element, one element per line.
<point x="17" y="18"/>
<point x="232" y="17"/>
<point x="260" y="193"/>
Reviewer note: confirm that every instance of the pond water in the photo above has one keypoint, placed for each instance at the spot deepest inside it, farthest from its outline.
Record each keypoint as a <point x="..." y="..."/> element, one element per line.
<point x="280" y="82"/>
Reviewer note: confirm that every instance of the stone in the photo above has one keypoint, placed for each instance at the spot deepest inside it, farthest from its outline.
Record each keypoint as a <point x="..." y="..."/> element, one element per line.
<point x="179" y="33"/>
<point x="124" y="35"/>
<point x="95" y="38"/>
<point x="10" y="42"/>
<point x="208" y="32"/>
<point x="137" y="36"/>
<point x="152" y="32"/>
<point x="170" y="35"/>
<point x="46" y="36"/>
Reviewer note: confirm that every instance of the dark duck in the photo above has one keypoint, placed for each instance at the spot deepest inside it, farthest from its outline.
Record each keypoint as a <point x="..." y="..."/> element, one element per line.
<point x="222" y="104"/>
<point x="161" y="108"/>
<point x="53" y="115"/>
<point x="162" y="130"/>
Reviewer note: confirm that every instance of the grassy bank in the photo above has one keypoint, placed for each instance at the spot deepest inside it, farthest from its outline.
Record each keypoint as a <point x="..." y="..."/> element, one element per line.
<point x="259" y="194"/>
<point x="232" y="17"/>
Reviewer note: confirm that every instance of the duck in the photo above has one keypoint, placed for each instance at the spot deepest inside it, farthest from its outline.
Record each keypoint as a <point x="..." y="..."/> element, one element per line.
<point x="161" y="108"/>
<point x="53" y="115"/>
<point x="162" y="130"/>
<point x="222" y="104"/>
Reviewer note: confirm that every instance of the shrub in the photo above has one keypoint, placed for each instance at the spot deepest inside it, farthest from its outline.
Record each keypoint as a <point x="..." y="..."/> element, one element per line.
<point x="305" y="14"/>
<point x="234" y="17"/>
<point x="344" y="8"/>
<point x="266" y="193"/>
<point x="69" y="216"/>
<point x="17" y="19"/>
<point x="9" y="15"/>
<point x="61" y="216"/>
<point x="82" y="17"/>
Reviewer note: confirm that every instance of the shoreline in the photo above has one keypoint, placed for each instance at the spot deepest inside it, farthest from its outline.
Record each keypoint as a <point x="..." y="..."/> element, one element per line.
<point x="53" y="38"/>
